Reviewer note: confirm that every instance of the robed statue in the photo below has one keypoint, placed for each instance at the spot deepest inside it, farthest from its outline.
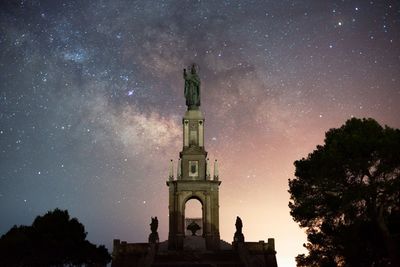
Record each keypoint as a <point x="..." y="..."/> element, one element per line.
<point x="154" y="224"/>
<point x="238" y="224"/>
<point x="153" y="237"/>
<point x="238" y="237"/>
<point x="192" y="88"/>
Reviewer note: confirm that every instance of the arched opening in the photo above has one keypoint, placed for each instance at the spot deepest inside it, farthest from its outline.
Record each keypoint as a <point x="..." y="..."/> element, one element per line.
<point x="194" y="216"/>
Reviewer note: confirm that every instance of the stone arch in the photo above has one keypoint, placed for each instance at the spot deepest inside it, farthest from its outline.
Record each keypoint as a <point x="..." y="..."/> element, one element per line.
<point x="200" y="199"/>
<point x="206" y="192"/>
<point x="190" y="197"/>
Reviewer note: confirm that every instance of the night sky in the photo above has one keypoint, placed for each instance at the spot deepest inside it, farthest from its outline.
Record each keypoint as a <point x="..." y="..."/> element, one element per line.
<point x="91" y="103"/>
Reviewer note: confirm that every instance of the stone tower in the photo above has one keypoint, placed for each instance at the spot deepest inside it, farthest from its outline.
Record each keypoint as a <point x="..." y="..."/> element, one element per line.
<point x="193" y="179"/>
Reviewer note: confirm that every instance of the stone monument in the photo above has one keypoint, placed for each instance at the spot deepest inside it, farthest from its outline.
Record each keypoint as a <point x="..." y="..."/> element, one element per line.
<point x="193" y="180"/>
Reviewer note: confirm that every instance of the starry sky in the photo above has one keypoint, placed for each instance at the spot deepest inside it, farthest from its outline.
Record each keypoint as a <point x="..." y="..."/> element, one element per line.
<point x="91" y="103"/>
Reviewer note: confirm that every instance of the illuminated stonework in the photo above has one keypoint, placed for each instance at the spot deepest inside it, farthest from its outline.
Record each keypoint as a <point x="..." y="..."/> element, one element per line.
<point x="193" y="183"/>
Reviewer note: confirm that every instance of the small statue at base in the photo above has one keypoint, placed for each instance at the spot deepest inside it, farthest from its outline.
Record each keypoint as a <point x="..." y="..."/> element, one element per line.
<point x="193" y="227"/>
<point x="238" y="237"/>
<point x="153" y="237"/>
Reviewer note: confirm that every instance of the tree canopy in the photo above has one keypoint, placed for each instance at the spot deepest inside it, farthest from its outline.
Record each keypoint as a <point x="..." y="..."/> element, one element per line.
<point x="346" y="194"/>
<point x="52" y="240"/>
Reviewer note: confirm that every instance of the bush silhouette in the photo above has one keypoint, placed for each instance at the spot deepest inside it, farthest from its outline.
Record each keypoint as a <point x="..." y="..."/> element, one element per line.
<point x="53" y="240"/>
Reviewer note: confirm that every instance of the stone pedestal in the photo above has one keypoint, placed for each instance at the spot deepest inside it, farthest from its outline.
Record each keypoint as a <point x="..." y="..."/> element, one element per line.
<point x="193" y="183"/>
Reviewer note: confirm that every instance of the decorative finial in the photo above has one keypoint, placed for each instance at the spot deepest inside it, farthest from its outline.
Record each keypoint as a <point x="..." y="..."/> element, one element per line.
<point x="208" y="176"/>
<point x="216" y="173"/>
<point x="171" y="170"/>
<point x="193" y="227"/>
<point x="179" y="170"/>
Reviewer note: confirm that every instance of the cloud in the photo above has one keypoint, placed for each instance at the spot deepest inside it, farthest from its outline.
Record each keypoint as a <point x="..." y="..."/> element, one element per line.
<point x="137" y="132"/>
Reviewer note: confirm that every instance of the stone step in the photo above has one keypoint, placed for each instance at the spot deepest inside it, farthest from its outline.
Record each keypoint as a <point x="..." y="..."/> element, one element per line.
<point x="216" y="259"/>
<point x="194" y="256"/>
<point x="198" y="265"/>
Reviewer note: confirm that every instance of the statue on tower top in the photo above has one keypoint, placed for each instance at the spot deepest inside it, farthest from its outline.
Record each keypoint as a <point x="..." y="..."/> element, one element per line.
<point x="192" y="88"/>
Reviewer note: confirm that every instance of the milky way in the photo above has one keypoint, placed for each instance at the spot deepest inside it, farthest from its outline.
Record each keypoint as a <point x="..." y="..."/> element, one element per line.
<point x="91" y="102"/>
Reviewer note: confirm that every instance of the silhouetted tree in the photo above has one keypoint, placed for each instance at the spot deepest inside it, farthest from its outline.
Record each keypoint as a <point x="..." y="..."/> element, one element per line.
<point x="347" y="194"/>
<point x="53" y="240"/>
